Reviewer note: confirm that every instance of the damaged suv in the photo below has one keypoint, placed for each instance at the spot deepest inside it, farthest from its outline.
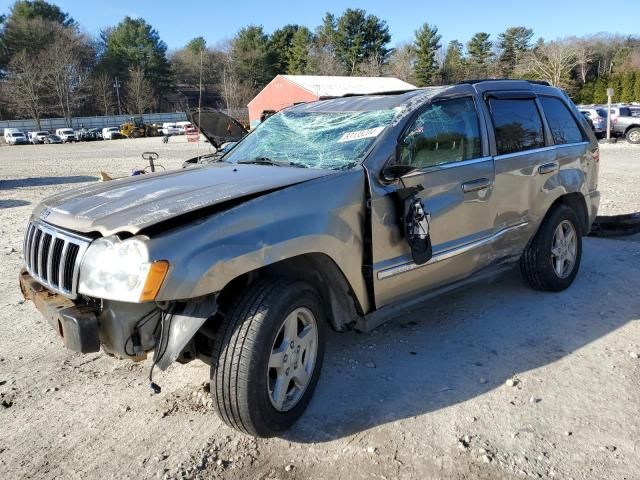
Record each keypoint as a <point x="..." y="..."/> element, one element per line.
<point x="335" y="213"/>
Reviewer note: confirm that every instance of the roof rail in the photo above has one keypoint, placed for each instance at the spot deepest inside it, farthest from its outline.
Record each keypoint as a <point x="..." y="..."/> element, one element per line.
<point x="479" y="80"/>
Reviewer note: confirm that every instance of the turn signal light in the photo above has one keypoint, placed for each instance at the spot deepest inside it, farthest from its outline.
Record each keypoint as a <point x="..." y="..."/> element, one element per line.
<point x="155" y="277"/>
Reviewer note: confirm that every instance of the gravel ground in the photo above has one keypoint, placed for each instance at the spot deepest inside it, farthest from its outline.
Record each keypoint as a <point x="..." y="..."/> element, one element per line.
<point x="493" y="382"/>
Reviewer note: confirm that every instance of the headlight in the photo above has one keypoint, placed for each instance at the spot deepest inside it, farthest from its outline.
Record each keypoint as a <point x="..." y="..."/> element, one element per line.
<point x="117" y="269"/>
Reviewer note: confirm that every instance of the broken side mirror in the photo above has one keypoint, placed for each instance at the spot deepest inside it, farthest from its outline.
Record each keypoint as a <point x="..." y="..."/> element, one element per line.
<point x="415" y="222"/>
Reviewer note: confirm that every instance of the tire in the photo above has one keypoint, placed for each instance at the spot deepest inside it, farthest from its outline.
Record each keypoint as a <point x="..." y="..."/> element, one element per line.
<point x="136" y="134"/>
<point x="251" y="335"/>
<point x="539" y="265"/>
<point x="633" y="135"/>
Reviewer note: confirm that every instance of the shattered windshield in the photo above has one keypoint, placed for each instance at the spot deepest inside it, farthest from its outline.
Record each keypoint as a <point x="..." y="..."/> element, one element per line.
<point x="327" y="140"/>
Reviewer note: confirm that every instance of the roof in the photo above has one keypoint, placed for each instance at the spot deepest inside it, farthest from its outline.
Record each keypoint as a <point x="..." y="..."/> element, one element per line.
<point x="328" y="86"/>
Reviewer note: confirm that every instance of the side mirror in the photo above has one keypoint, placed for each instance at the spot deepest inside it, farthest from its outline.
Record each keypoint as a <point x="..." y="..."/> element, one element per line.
<point x="394" y="171"/>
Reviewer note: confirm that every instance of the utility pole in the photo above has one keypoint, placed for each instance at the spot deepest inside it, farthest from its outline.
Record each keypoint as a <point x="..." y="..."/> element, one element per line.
<point x="117" y="86"/>
<point x="610" y="94"/>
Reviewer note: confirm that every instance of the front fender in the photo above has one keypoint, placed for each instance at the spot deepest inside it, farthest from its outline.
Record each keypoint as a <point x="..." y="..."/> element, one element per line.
<point x="324" y="215"/>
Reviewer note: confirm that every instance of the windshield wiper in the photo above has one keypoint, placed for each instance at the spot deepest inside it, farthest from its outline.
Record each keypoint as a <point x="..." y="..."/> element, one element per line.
<point x="268" y="161"/>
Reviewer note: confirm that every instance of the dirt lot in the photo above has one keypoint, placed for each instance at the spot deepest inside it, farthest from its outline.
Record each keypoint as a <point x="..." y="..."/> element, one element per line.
<point x="423" y="397"/>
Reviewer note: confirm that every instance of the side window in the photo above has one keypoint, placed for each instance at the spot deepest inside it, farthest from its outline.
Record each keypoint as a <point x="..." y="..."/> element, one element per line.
<point x="517" y="124"/>
<point x="446" y="132"/>
<point x="564" y="128"/>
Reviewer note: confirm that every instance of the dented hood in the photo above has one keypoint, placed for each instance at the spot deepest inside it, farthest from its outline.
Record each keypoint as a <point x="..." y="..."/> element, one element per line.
<point x="133" y="203"/>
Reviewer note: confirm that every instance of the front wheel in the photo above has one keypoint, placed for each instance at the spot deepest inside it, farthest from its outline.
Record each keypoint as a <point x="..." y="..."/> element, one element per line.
<point x="552" y="260"/>
<point x="268" y="355"/>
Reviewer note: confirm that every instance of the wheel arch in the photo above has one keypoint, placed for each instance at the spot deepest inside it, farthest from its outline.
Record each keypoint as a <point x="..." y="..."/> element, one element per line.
<point x="318" y="269"/>
<point x="577" y="202"/>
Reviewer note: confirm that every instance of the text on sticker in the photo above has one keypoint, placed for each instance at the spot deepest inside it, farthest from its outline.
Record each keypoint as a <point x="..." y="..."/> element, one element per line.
<point x="359" y="134"/>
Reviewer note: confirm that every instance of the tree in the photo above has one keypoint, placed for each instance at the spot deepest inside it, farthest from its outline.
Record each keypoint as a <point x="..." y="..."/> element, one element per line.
<point x="134" y="44"/>
<point x="636" y="88"/>
<point x="628" y="84"/>
<point x="70" y="59"/>
<point x="252" y="60"/>
<point x="513" y="43"/>
<point x="552" y="61"/>
<point x="299" y="58"/>
<point x="196" y="45"/>
<point x="140" y="95"/>
<point x="26" y="85"/>
<point x="479" y="55"/>
<point x="323" y="56"/>
<point x="102" y="84"/>
<point x="600" y="90"/>
<point x="360" y="37"/>
<point x="401" y="62"/>
<point x="427" y="44"/>
<point x="280" y="43"/>
<point x="28" y="10"/>
<point x="453" y="65"/>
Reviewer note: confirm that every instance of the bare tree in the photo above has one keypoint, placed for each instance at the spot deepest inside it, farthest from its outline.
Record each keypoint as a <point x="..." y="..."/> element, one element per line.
<point x="25" y="85"/>
<point x="584" y="57"/>
<point x="67" y="72"/>
<point x="372" y="66"/>
<point x="103" y="91"/>
<point x="552" y="61"/>
<point x="140" y="95"/>
<point x="325" y="62"/>
<point x="402" y="61"/>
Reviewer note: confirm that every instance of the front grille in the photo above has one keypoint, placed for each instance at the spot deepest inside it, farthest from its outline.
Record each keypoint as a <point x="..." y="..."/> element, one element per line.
<point x="53" y="257"/>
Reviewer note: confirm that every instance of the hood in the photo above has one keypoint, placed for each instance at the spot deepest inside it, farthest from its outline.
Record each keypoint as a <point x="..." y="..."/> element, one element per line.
<point x="216" y="126"/>
<point x="134" y="203"/>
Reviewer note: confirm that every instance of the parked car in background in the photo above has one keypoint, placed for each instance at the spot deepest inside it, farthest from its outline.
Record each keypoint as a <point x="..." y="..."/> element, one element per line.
<point x="598" y="118"/>
<point x="53" y="138"/>
<point x="86" y="134"/>
<point x="169" y="128"/>
<point x="37" y="137"/>
<point x="627" y="126"/>
<point x="15" y="137"/>
<point x="182" y="127"/>
<point x="66" y="134"/>
<point x="109" y="133"/>
<point x="337" y="213"/>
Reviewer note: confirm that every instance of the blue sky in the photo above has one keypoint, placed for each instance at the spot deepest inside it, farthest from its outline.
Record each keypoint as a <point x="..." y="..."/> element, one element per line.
<point x="215" y="20"/>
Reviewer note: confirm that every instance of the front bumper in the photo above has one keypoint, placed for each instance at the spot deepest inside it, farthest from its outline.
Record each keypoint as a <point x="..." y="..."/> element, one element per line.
<point x="76" y="324"/>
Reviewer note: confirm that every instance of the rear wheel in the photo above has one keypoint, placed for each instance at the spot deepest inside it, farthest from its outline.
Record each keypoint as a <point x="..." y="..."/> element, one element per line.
<point x="267" y="356"/>
<point x="552" y="260"/>
<point x="633" y="135"/>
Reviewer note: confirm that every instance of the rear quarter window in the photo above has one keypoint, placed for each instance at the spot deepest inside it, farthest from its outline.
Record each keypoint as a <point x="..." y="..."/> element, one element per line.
<point x="563" y="126"/>
<point x="517" y="125"/>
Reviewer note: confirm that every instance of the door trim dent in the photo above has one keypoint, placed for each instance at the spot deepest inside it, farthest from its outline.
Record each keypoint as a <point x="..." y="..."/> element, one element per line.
<point x="448" y="253"/>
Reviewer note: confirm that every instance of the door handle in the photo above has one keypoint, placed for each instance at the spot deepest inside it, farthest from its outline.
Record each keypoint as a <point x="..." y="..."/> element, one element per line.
<point x="475" y="185"/>
<point x="547" y="168"/>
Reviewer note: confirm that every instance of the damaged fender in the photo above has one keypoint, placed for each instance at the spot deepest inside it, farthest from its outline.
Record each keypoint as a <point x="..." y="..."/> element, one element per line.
<point x="180" y="327"/>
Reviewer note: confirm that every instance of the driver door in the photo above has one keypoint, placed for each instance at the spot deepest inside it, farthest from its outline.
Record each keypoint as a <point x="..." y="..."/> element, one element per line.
<point x="447" y="144"/>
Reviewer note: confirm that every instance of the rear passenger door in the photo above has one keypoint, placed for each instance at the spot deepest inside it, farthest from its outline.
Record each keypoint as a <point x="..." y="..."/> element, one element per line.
<point x="524" y="158"/>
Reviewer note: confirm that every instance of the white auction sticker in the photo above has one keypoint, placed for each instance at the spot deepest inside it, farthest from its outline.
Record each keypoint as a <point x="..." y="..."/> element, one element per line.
<point x="360" y="134"/>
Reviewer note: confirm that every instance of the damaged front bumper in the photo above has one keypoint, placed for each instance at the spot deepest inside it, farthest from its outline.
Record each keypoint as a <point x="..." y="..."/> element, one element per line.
<point x="76" y="324"/>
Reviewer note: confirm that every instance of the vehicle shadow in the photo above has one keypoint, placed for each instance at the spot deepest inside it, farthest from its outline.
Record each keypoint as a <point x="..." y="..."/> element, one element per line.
<point x="44" y="181"/>
<point x="13" y="203"/>
<point x="464" y="344"/>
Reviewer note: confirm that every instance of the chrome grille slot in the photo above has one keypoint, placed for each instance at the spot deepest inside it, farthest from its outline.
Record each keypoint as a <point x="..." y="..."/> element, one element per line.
<point x="53" y="257"/>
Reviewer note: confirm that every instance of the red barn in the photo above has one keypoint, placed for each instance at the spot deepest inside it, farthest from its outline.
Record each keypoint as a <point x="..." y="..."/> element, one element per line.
<point x="285" y="90"/>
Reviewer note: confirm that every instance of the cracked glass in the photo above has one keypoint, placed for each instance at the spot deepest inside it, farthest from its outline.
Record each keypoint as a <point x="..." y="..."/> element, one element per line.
<point x="324" y="140"/>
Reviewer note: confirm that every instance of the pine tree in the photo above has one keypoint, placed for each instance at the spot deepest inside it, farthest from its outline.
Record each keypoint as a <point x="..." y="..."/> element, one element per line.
<point x="615" y="82"/>
<point x="600" y="90"/>
<point x="427" y="44"/>
<point x="453" y="65"/>
<point x="636" y="87"/>
<point x="628" y="83"/>
<point x="480" y="55"/>
<point x="514" y="42"/>
<point x="298" y="58"/>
